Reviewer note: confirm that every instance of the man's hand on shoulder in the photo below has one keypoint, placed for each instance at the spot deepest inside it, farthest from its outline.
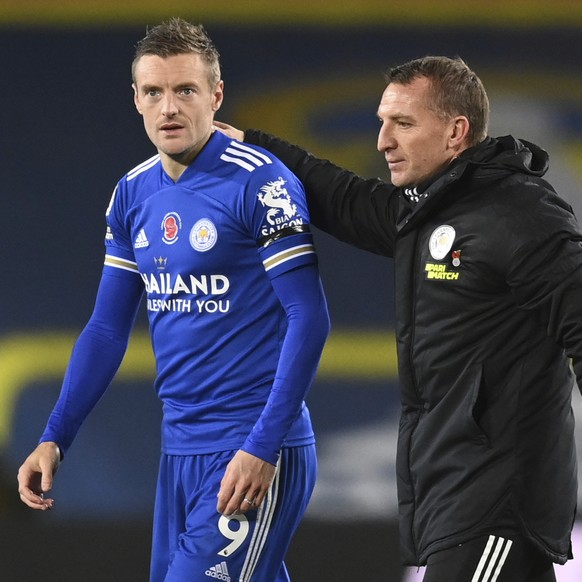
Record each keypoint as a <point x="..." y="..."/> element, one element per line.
<point x="229" y="130"/>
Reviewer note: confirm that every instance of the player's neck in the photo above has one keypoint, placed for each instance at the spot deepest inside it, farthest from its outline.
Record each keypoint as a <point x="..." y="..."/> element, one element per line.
<point x="175" y="164"/>
<point x="173" y="167"/>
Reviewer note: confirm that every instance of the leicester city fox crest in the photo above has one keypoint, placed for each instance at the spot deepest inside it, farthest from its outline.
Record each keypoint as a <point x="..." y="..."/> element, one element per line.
<point x="203" y="235"/>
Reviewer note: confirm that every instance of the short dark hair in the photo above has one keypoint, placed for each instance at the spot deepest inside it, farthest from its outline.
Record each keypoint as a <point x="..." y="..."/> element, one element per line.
<point x="455" y="90"/>
<point x="176" y="37"/>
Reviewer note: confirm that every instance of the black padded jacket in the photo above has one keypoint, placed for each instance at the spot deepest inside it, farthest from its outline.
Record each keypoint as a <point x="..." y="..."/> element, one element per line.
<point x="488" y="291"/>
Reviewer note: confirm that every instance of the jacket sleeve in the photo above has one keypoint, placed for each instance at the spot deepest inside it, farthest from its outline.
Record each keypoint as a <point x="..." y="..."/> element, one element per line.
<point x="355" y="210"/>
<point x="546" y="272"/>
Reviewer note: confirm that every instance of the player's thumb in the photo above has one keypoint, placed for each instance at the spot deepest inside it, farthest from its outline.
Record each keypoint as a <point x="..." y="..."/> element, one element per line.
<point x="46" y="482"/>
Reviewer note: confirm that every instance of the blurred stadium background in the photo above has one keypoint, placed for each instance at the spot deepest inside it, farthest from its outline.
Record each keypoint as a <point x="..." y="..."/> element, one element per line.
<point x="311" y="72"/>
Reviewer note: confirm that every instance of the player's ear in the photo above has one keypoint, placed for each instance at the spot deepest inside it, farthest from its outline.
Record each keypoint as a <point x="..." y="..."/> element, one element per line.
<point x="136" y="98"/>
<point x="217" y="95"/>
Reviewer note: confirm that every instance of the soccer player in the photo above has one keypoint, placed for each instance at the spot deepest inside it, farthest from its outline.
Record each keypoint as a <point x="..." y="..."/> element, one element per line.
<point x="216" y="233"/>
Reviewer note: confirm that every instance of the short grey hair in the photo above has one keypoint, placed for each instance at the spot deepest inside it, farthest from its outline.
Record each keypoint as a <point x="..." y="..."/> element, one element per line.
<point x="454" y="90"/>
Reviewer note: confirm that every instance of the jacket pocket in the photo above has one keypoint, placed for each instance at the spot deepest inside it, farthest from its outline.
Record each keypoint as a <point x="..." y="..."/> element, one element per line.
<point x="457" y="473"/>
<point x="477" y="408"/>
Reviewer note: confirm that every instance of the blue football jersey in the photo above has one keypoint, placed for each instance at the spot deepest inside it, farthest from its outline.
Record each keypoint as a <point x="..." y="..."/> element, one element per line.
<point x="205" y="247"/>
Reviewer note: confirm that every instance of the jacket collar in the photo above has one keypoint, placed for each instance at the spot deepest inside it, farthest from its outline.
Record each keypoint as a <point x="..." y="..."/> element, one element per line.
<point x="430" y="195"/>
<point x="491" y="160"/>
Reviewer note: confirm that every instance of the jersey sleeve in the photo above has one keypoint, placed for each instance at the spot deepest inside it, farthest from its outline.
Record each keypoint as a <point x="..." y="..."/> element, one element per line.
<point x="119" y="255"/>
<point x="96" y="356"/>
<point x="279" y="220"/>
<point x="100" y="347"/>
<point x="301" y="295"/>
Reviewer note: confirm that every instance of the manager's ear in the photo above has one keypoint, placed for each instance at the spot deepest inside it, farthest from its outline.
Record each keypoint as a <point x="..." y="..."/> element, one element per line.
<point x="459" y="132"/>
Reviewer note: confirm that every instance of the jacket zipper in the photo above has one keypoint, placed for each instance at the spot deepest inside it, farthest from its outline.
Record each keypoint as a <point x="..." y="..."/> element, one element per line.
<point x="415" y="271"/>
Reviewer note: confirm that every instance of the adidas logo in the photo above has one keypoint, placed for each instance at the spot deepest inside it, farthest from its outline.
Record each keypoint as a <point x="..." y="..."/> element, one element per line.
<point x="142" y="240"/>
<point x="220" y="572"/>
